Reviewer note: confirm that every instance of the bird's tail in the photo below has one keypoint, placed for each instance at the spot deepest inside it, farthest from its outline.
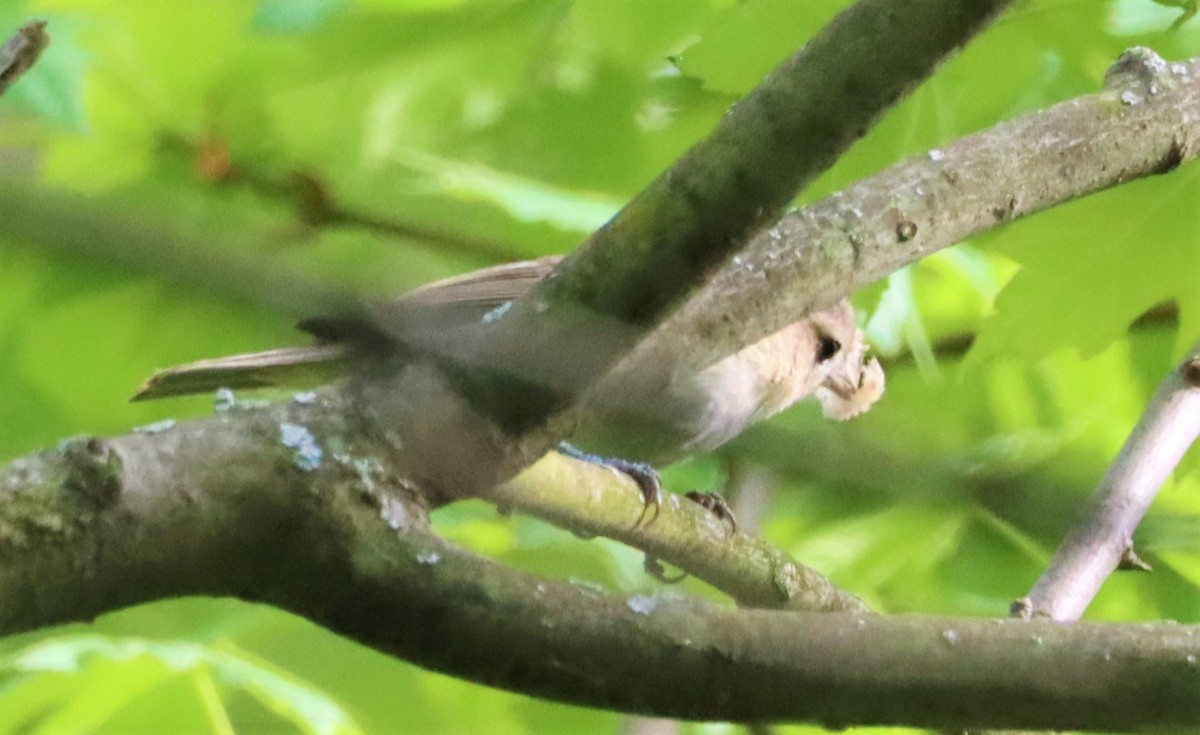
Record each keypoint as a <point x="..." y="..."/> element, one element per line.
<point x="285" y="366"/>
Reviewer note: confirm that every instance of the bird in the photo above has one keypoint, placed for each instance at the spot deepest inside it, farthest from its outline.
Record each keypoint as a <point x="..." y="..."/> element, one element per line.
<point x="635" y="423"/>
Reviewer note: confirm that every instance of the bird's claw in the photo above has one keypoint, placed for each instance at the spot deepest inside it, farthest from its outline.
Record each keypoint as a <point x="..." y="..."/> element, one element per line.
<point x="655" y="569"/>
<point x="644" y="475"/>
<point x="715" y="504"/>
<point x="650" y="485"/>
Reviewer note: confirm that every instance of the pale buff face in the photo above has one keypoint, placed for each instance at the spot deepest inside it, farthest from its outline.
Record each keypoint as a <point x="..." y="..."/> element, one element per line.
<point x="823" y="355"/>
<point x="849" y="383"/>
<point x="829" y="360"/>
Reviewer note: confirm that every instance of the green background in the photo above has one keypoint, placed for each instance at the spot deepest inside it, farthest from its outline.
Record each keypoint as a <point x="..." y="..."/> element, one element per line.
<point x="510" y="129"/>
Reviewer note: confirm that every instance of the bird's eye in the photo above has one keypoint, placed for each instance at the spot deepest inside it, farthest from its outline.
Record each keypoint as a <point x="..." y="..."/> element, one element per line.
<point x="827" y="348"/>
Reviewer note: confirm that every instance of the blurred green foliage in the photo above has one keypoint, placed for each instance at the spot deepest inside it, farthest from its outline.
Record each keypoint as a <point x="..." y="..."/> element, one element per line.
<point x="452" y="133"/>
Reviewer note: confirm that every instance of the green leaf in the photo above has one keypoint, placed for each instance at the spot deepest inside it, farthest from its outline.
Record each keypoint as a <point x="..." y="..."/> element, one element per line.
<point x="27" y="699"/>
<point x="1131" y="17"/>
<point x="636" y="34"/>
<point x="1089" y="268"/>
<point x="109" y="673"/>
<point x="101" y="690"/>
<point x="877" y="552"/>
<point x="896" y="323"/>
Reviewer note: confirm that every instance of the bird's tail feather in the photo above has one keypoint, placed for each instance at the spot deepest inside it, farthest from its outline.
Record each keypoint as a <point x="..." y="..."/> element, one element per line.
<point x="284" y="366"/>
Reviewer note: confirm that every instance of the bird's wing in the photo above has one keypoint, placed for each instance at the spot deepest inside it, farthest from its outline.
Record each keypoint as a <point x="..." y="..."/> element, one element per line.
<point x="442" y="304"/>
<point x="485" y="288"/>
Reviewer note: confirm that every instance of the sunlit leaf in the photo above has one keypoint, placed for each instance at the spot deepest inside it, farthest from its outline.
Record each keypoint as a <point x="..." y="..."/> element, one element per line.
<point x="1088" y="269"/>
<point x="111" y="672"/>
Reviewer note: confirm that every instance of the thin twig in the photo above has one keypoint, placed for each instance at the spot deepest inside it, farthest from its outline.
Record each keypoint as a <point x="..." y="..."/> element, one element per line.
<point x="316" y="204"/>
<point x="1104" y="537"/>
<point x="21" y="51"/>
<point x="1102" y="541"/>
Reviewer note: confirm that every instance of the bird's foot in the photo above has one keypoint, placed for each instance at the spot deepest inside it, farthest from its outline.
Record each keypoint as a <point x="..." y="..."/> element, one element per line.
<point x="715" y="504"/>
<point x="644" y="475"/>
<point x="650" y="485"/>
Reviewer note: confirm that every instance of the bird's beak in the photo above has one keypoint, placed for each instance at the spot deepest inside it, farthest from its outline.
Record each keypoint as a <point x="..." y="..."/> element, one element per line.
<point x="844" y="398"/>
<point x="840" y="386"/>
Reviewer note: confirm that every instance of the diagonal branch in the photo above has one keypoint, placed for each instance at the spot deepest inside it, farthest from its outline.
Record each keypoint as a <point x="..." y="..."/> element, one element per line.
<point x="20" y="52"/>
<point x="638" y="267"/>
<point x="1103" y="538"/>
<point x="505" y="376"/>
<point x="1143" y="123"/>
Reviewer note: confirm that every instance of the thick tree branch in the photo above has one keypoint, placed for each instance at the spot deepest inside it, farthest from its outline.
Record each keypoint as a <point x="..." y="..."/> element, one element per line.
<point x="244" y="504"/>
<point x="1104" y="536"/>
<point x="1145" y="122"/>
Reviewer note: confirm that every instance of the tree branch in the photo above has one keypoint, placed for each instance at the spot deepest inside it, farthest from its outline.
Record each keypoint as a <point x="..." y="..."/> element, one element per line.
<point x="1143" y="123"/>
<point x="316" y="204"/>
<point x="295" y="506"/>
<point x="1104" y="536"/>
<point x="507" y="375"/>
<point x="20" y="52"/>
<point x="594" y="501"/>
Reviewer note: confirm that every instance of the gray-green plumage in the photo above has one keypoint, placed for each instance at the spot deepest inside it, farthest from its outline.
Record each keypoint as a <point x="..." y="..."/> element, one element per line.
<point x="457" y="299"/>
<point x="657" y="415"/>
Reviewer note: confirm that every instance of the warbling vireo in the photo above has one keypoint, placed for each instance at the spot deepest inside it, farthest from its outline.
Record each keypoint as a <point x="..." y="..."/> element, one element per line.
<point x="657" y="420"/>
